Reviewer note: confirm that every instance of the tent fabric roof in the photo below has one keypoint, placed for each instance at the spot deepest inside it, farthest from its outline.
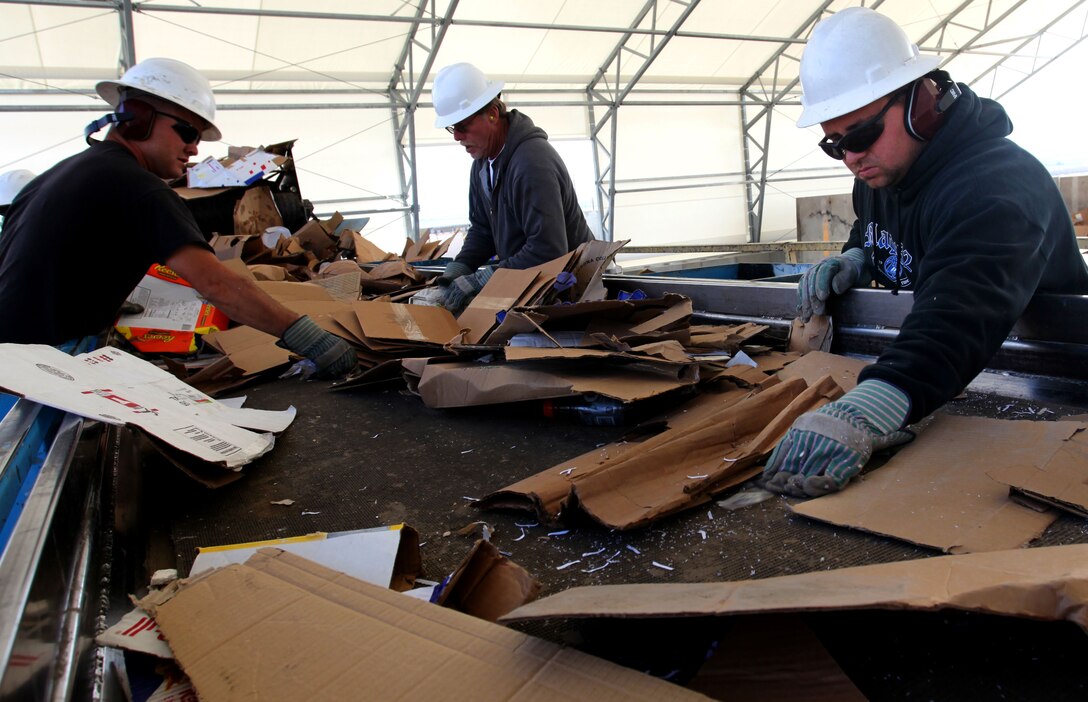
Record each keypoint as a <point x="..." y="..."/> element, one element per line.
<point x="264" y="56"/>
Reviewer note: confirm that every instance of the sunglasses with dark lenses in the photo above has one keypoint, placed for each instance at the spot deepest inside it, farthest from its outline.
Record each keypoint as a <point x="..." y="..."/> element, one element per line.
<point x="188" y="133"/>
<point x="860" y="137"/>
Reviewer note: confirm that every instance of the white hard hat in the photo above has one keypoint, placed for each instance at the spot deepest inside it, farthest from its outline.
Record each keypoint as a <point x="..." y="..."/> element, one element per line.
<point x="854" y="57"/>
<point x="459" y="91"/>
<point x="170" y="80"/>
<point x="11" y="183"/>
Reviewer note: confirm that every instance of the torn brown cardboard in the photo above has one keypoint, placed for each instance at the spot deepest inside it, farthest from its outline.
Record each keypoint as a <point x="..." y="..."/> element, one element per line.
<point x="288" y="291"/>
<point x="299" y="631"/>
<point x="1048" y="583"/>
<point x="816" y="364"/>
<point x="466" y="384"/>
<point x="249" y="350"/>
<point x="316" y="236"/>
<point x="592" y="258"/>
<point x="502" y="292"/>
<point x="255" y="212"/>
<point x="416" y="324"/>
<point x="773" y="658"/>
<point x="1061" y="482"/>
<point x="936" y="491"/>
<point x="813" y="335"/>
<point x="623" y="319"/>
<point x="680" y="468"/>
<point x="487" y="584"/>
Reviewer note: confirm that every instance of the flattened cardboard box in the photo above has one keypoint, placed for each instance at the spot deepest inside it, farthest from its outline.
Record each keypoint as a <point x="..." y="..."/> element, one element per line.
<point x="1048" y="583"/>
<point x="936" y="492"/>
<point x="283" y="628"/>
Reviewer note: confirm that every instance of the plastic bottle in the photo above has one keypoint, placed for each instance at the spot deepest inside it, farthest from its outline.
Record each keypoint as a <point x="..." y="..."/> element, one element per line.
<point x="590" y="409"/>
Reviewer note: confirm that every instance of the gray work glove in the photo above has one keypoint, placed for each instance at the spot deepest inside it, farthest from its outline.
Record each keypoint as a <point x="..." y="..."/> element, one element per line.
<point x="332" y="356"/>
<point x="824" y="449"/>
<point x="463" y="289"/>
<point x="833" y="274"/>
<point x="454" y="270"/>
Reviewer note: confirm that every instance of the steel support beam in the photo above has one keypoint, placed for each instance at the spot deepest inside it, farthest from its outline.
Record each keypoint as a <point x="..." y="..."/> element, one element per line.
<point x="405" y="88"/>
<point x="128" y="38"/>
<point x="611" y="96"/>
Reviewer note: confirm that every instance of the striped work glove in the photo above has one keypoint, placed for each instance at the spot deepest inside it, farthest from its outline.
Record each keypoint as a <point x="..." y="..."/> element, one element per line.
<point x="833" y="274"/>
<point x="332" y="356"/>
<point x="824" y="449"/>
<point x="463" y="289"/>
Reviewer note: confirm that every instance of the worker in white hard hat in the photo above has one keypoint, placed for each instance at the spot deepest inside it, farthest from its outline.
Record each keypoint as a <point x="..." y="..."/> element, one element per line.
<point x="11" y="183"/>
<point x="80" y="237"/>
<point x="948" y="208"/>
<point x="523" y="210"/>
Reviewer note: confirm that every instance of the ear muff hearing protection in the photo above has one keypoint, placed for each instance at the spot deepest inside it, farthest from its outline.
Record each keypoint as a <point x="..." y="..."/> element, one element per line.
<point x="927" y="103"/>
<point x="134" y="119"/>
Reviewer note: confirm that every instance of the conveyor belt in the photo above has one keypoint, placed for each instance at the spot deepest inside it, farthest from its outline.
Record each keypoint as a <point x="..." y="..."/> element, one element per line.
<point x="366" y="459"/>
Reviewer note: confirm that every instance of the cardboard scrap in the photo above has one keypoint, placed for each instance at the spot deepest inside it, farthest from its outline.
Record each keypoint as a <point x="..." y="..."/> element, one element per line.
<point x="255" y="212"/>
<point x="816" y="364"/>
<point x="1061" y="482"/>
<point x="936" y="491"/>
<point x="301" y="631"/>
<point x="1049" y="583"/>
<point x="116" y="388"/>
<point x="414" y="324"/>
<point x="468" y="383"/>
<point x="813" y="335"/>
<point x="773" y="658"/>
<point x="637" y="486"/>
<point x="487" y="584"/>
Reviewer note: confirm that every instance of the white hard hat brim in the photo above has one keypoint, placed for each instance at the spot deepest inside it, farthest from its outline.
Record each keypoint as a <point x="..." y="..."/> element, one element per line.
<point x="821" y="112"/>
<point x="493" y="89"/>
<point x="110" y="91"/>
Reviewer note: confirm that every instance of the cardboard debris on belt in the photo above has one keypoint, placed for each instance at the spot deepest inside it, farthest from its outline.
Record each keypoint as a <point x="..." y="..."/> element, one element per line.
<point x="940" y="490"/>
<point x="303" y="631"/>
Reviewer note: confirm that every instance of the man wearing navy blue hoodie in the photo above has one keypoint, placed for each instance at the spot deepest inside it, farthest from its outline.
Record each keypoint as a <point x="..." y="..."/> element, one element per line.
<point x="948" y="208"/>
<point x="522" y="205"/>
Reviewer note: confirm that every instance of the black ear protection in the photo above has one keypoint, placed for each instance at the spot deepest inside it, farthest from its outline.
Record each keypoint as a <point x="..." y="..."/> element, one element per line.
<point x="134" y="119"/>
<point x="927" y="103"/>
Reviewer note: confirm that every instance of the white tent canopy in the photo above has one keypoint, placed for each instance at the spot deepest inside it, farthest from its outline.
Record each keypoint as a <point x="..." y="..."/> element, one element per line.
<point x="676" y="118"/>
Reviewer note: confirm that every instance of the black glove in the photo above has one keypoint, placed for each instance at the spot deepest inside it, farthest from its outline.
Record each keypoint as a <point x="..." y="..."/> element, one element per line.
<point x="331" y="354"/>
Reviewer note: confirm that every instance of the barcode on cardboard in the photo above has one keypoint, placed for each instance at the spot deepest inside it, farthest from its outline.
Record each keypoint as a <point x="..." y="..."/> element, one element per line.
<point x="220" y="446"/>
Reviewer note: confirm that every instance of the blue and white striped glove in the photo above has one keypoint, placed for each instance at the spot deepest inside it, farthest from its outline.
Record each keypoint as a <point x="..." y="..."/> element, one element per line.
<point x="824" y="449"/>
<point x="833" y="274"/>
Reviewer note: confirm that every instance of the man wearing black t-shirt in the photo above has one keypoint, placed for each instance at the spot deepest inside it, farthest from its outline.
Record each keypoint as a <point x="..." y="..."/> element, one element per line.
<point x="78" y="238"/>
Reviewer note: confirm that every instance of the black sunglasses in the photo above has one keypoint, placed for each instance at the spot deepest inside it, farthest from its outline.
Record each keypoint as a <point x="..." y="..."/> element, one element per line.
<point x="188" y="133"/>
<point x="860" y="137"/>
